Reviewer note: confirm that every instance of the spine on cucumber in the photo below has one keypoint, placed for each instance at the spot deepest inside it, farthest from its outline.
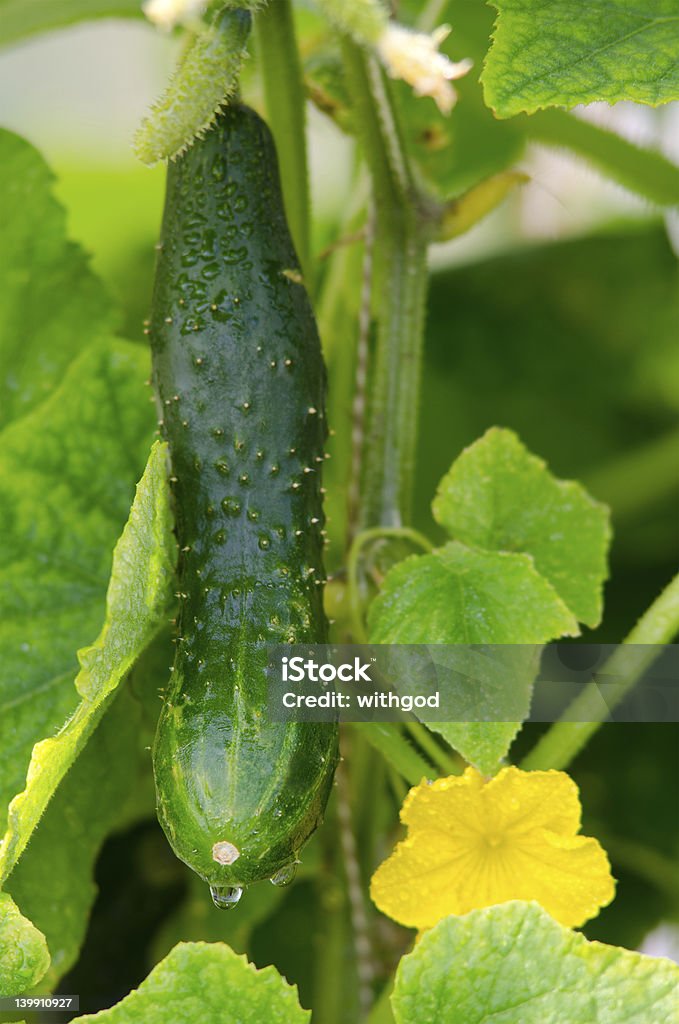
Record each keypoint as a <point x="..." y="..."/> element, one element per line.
<point x="239" y="375"/>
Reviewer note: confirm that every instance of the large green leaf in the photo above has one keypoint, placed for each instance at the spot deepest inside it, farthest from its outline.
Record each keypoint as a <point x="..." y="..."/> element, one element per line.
<point x="529" y="558"/>
<point x="567" y="52"/>
<point x="19" y="18"/>
<point x="514" y="964"/>
<point x="460" y="595"/>
<point x="24" y="956"/>
<point x="51" y="304"/>
<point x="53" y="881"/>
<point x="138" y="596"/>
<point x="500" y="497"/>
<point x="201" y="983"/>
<point x="68" y="471"/>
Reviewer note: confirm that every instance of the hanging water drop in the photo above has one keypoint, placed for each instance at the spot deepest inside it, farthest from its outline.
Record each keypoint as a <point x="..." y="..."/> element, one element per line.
<point x="285" y="875"/>
<point x="225" y="897"/>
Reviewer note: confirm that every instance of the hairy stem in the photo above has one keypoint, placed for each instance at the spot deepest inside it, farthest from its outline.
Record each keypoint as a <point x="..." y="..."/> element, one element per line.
<point x="353" y="560"/>
<point x="401" y="277"/>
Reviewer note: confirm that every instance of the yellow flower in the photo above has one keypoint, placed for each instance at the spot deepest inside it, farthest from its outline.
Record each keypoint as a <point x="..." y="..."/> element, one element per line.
<point x="414" y="57"/>
<point x="473" y="843"/>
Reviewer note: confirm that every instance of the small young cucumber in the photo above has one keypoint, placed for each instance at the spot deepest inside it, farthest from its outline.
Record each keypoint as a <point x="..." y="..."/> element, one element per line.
<point x="239" y="375"/>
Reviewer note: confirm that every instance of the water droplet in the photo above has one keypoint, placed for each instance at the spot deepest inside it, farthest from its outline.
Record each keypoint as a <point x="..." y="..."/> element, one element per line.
<point x="226" y="897"/>
<point x="285" y="875"/>
<point x="236" y="254"/>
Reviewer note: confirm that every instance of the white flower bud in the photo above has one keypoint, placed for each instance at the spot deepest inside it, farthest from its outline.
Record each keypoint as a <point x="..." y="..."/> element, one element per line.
<point x="169" y="13"/>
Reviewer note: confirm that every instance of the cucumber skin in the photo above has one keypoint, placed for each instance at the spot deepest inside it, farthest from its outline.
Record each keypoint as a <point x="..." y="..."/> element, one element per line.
<point x="239" y="375"/>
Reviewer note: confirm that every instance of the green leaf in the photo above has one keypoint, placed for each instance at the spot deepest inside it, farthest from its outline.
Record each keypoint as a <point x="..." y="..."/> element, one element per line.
<point x="19" y="18"/>
<point x="514" y="964"/>
<point x="51" y="303"/>
<point x="68" y="471"/>
<point x="63" y="505"/>
<point x="207" y="984"/>
<point x="500" y="497"/>
<point x="458" y="595"/>
<point x="461" y="595"/>
<point x="24" y="956"/>
<point x="502" y="681"/>
<point x="566" y="52"/>
<point x="483" y="744"/>
<point x="64" y="846"/>
<point x="138" y="595"/>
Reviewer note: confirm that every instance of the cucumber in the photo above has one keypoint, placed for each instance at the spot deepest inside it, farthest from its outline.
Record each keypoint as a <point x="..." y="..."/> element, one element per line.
<point x="239" y="375"/>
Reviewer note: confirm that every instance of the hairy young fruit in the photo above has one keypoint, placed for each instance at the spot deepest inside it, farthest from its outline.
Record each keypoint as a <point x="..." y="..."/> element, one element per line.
<point x="240" y="378"/>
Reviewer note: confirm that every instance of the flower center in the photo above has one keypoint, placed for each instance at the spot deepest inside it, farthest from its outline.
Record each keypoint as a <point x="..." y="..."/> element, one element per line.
<point x="494" y="839"/>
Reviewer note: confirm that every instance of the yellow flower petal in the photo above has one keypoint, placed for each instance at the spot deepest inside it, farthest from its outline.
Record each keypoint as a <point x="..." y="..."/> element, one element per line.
<point x="473" y="843"/>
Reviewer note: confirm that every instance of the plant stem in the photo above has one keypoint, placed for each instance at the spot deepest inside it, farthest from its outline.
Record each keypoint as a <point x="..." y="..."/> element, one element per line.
<point x="444" y="761"/>
<point x="333" y="975"/>
<point x="285" y="104"/>
<point x="382" y="1012"/>
<point x="387" y="738"/>
<point x="338" y="314"/>
<point x="401" y="273"/>
<point x="644" y="171"/>
<point x="431" y="15"/>
<point x="360" y="926"/>
<point x="658" y="625"/>
<point x="359" y="542"/>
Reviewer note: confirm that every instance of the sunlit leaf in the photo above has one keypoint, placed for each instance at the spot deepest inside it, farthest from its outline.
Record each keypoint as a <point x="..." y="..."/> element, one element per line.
<point x="566" y="52"/>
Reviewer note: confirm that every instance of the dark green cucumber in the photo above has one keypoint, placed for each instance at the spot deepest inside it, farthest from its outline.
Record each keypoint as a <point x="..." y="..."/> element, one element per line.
<point x="239" y="374"/>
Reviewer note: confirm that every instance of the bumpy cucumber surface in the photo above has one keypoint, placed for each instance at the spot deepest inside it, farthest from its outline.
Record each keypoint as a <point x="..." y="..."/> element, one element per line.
<point x="239" y="374"/>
